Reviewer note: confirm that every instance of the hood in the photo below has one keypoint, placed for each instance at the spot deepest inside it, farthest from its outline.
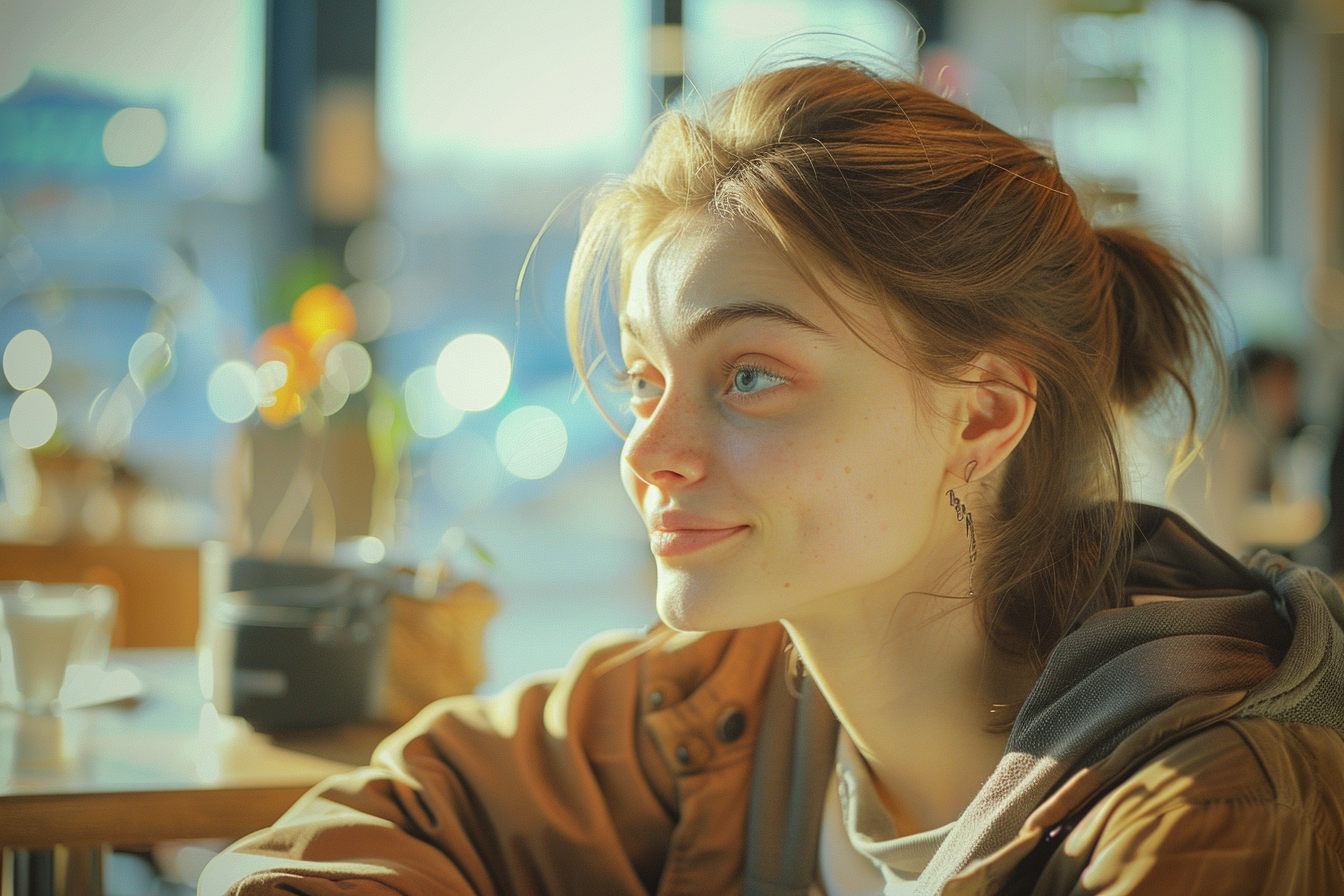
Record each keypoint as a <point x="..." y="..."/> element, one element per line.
<point x="1205" y="625"/>
<point x="1270" y="627"/>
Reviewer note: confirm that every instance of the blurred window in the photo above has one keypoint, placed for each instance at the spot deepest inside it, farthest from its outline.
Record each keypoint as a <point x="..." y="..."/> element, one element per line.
<point x="1167" y="105"/>
<point x="725" y="39"/>
<point x="200" y="61"/>
<point x="547" y="86"/>
<point x="131" y="166"/>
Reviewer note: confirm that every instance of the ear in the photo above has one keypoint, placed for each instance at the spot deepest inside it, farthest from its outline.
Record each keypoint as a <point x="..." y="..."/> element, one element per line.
<point x="997" y="408"/>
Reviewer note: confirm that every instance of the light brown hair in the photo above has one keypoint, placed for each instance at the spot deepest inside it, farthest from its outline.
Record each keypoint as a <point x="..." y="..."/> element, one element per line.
<point x="970" y="240"/>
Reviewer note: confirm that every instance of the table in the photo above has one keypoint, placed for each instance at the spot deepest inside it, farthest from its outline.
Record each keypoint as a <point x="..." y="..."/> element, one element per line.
<point x="165" y="766"/>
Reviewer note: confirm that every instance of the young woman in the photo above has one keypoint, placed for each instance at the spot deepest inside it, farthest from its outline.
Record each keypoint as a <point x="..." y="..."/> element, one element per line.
<point x="915" y="640"/>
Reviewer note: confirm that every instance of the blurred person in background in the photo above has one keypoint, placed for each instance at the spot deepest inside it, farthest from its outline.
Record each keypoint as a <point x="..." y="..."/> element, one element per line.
<point x="915" y="639"/>
<point x="1258" y="482"/>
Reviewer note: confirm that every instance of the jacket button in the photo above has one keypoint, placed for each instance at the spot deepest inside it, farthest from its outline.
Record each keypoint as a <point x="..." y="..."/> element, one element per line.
<point x="692" y="754"/>
<point x="656" y="699"/>
<point x="731" y="725"/>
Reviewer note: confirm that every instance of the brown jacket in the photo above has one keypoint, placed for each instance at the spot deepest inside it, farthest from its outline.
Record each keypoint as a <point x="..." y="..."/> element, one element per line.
<point x="632" y="773"/>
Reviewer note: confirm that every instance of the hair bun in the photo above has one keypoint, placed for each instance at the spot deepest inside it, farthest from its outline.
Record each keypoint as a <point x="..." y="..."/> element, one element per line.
<point x="1161" y="316"/>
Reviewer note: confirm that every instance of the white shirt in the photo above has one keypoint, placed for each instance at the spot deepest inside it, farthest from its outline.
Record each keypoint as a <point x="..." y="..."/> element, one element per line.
<point x="859" y="852"/>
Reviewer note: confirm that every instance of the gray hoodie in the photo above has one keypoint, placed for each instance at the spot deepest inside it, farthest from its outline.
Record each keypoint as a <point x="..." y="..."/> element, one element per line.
<point x="1121" y="668"/>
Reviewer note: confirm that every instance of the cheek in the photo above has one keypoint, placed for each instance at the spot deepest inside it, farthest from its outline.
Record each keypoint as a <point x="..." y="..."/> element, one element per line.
<point x="764" y="466"/>
<point x="866" y="487"/>
<point x="794" y="478"/>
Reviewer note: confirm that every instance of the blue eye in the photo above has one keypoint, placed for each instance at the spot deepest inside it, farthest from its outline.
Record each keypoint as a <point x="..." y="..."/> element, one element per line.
<point x="641" y="388"/>
<point x="747" y="380"/>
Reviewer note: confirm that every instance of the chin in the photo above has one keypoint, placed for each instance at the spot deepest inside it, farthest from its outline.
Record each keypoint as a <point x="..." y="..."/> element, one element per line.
<point x="677" y="613"/>
<point x="695" y="607"/>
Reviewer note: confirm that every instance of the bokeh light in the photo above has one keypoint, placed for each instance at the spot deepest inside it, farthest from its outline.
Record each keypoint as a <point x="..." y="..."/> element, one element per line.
<point x="453" y="541"/>
<point x="374" y="250"/>
<point x="281" y="343"/>
<point x="232" y="391"/>
<point x="428" y="412"/>
<point x="320" y="365"/>
<point x="531" y="442"/>
<point x="349" y="366"/>
<point x="347" y="370"/>
<point x="278" y="401"/>
<point x="150" y="356"/>
<point x="373" y="310"/>
<point x="270" y="377"/>
<point x="370" y="549"/>
<point x="322" y="316"/>
<point x="473" y="371"/>
<point x="286" y="373"/>
<point x="330" y="398"/>
<point x="32" y="419"/>
<point x="134" y="137"/>
<point x="27" y="360"/>
<point x="113" y="415"/>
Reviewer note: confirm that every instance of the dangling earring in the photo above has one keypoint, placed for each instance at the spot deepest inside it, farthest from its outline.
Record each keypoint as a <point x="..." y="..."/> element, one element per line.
<point x="964" y="516"/>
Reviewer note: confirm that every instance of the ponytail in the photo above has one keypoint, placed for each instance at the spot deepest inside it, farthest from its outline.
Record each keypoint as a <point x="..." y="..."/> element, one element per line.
<point x="1163" y="323"/>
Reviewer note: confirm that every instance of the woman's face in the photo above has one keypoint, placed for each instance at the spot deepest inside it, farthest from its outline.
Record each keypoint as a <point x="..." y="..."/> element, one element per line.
<point x="780" y="464"/>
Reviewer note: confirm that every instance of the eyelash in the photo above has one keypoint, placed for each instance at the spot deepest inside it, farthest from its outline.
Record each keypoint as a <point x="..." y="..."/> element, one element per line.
<point x="729" y="371"/>
<point x="624" y="379"/>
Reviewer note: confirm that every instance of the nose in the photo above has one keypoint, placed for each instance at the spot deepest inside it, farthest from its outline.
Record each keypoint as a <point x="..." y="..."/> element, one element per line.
<point x="665" y="450"/>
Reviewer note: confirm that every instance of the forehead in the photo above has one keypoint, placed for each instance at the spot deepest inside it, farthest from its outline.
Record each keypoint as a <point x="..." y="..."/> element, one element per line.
<point x="702" y="265"/>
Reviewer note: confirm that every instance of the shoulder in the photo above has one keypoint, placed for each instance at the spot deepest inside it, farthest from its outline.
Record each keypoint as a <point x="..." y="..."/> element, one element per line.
<point x="1247" y="805"/>
<point x="1304" y="765"/>
<point x="664" y="664"/>
<point x="612" y="684"/>
<point x="574" y="772"/>
<point x="1295" y="766"/>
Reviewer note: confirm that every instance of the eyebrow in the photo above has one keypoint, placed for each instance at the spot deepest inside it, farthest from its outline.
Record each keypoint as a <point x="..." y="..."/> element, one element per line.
<point x="712" y="320"/>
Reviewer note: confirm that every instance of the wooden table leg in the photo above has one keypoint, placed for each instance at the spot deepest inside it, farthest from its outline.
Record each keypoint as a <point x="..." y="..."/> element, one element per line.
<point x="52" y="872"/>
<point x="32" y="872"/>
<point x="79" y="871"/>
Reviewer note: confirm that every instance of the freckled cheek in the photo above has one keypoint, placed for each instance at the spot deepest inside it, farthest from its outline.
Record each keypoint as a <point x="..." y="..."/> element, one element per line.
<point x="756" y="458"/>
<point x="837" y="500"/>
<point x="848" y="495"/>
<point x="821" y="482"/>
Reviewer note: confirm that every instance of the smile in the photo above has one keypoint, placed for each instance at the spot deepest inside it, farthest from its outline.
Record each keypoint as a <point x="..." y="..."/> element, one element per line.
<point x="677" y="542"/>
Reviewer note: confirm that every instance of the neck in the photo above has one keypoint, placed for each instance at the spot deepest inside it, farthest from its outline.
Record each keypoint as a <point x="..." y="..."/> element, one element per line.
<point x="913" y="680"/>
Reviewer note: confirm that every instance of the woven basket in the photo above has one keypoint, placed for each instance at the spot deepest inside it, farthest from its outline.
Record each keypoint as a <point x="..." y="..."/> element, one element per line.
<point x="435" y="648"/>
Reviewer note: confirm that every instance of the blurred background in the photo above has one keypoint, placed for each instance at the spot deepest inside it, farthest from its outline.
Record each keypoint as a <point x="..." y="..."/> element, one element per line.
<point x="262" y="263"/>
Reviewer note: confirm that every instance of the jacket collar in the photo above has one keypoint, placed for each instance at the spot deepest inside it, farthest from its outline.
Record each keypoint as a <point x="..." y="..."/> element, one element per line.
<point x="1126" y="684"/>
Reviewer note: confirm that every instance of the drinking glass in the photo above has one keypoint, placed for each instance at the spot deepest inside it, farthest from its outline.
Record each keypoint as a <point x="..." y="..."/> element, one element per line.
<point x="46" y="627"/>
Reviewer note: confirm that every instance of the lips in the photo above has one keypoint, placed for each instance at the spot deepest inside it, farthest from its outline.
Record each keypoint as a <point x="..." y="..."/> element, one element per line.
<point x="676" y="533"/>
